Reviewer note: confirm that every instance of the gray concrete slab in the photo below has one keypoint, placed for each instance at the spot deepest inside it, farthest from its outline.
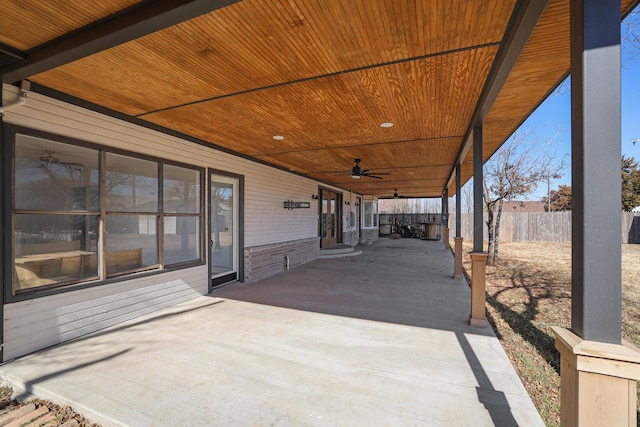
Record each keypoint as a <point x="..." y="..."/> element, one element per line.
<point x="375" y="340"/>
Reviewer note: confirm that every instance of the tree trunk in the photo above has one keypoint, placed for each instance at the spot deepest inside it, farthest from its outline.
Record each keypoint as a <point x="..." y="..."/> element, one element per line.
<point x="496" y="240"/>
<point x="490" y="231"/>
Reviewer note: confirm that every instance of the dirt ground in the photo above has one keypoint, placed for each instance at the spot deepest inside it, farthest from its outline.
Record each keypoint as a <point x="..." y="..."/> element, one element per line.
<point x="62" y="415"/>
<point x="528" y="292"/>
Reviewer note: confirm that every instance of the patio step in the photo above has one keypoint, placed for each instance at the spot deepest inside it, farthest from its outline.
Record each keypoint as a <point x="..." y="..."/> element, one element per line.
<point x="338" y="251"/>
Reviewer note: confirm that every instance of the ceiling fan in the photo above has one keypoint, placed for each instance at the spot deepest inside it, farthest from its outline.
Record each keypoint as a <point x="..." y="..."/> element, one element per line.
<point x="397" y="196"/>
<point x="50" y="159"/>
<point x="357" y="172"/>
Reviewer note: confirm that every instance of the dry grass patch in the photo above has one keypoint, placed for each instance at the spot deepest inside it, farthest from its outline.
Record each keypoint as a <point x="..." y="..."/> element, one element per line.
<point x="528" y="292"/>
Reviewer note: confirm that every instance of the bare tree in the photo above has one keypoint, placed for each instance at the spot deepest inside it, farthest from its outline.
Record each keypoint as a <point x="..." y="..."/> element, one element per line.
<point x="414" y="206"/>
<point x="515" y="170"/>
<point x="393" y="206"/>
<point x="631" y="34"/>
<point x="467" y="197"/>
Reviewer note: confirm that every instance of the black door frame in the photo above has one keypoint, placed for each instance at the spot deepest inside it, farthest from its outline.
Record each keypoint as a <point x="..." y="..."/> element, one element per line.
<point x="239" y="274"/>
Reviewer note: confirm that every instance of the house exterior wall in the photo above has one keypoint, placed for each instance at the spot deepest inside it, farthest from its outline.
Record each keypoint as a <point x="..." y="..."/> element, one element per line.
<point x="350" y="238"/>
<point x="42" y="322"/>
<point x="266" y="260"/>
<point x="371" y="234"/>
<point x="266" y="188"/>
<point x="270" y="231"/>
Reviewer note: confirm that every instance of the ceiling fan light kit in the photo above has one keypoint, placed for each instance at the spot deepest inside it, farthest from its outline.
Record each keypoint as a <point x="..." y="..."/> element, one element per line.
<point x="357" y="172"/>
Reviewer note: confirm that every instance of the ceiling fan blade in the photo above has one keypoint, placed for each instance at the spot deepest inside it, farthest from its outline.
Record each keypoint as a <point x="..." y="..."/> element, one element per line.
<point x="375" y="173"/>
<point x="370" y="176"/>
<point x="70" y="164"/>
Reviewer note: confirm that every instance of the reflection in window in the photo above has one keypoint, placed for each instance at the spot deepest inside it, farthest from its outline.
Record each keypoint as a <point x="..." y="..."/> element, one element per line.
<point x="54" y="249"/>
<point x="131" y="243"/>
<point x="131" y="184"/>
<point x="222" y="205"/>
<point x="181" y="239"/>
<point x="57" y="215"/>
<point x="324" y="218"/>
<point x="52" y="176"/>
<point x="368" y="214"/>
<point x="181" y="198"/>
<point x="375" y="214"/>
<point x="181" y="190"/>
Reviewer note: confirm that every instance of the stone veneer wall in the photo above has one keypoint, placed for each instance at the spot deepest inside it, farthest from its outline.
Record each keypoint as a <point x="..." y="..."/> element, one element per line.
<point x="267" y="260"/>
<point x="350" y="238"/>
<point x="372" y="234"/>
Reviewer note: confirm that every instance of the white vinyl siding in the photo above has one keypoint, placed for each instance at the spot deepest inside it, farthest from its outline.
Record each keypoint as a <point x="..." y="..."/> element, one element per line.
<point x="34" y="324"/>
<point x="266" y="188"/>
<point x="42" y="322"/>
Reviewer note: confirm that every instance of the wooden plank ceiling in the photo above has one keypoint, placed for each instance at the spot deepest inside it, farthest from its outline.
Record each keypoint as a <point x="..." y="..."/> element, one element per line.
<point x="322" y="74"/>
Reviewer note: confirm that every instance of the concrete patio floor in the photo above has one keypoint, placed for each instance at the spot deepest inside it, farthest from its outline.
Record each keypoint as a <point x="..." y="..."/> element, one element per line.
<point x="380" y="339"/>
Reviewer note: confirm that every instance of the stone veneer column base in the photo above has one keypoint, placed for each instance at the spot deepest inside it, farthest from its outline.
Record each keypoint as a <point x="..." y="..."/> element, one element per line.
<point x="350" y="238"/>
<point x="478" y="285"/>
<point x="457" y="264"/>
<point x="597" y="381"/>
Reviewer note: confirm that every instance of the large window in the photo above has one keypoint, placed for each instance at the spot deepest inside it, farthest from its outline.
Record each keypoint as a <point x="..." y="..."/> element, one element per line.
<point x="131" y="199"/>
<point x="181" y="214"/>
<point x="82" y="214"/>
<point x="370" y="214"/>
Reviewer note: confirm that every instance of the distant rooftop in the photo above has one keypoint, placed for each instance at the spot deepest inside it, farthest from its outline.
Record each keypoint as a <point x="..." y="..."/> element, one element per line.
<point x="524" y="206"/>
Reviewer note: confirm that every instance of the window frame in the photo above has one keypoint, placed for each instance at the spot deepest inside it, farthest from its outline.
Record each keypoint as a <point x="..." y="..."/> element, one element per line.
<point x="369" y="219"/>
<point x="202" y="214"/>
<point x="367" y="214"/>
<point x="7" y="168"/>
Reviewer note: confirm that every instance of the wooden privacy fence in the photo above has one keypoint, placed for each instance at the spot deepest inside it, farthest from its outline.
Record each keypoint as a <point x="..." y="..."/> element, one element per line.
<point x="540" y="226"/>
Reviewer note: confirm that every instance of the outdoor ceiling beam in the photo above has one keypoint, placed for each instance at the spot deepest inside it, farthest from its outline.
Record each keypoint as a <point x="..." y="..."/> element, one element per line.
<point x="124" y="26"/>
<point x="12" y="52"/>
<point x="10" y="55"/>
<point x="523" y="22"/>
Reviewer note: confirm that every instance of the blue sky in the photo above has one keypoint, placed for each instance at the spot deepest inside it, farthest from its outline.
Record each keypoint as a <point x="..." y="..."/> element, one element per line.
<point x="552" y="120"/>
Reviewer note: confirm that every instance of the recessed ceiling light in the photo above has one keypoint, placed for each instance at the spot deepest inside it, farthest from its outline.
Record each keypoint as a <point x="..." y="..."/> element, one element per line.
<point x="410" y="173"/>
<point x="386" y="125"/>
<point x="291" y="169"/>
<point x="278" y="137"/>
